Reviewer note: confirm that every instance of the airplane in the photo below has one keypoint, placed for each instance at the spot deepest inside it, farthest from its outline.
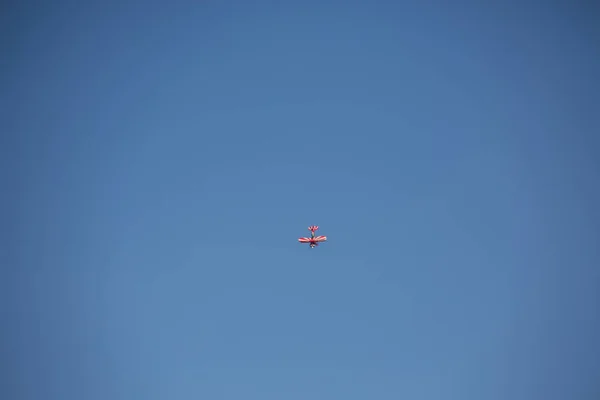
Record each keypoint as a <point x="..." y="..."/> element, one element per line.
<point x="313" y="240"/>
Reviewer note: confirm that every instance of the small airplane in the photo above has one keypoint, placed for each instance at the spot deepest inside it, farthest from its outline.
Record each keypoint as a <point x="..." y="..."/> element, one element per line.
<point x="313" y="240"/>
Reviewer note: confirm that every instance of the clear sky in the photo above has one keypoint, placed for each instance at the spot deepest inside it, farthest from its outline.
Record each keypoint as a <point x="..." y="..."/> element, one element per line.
<point x="159" y="163"/>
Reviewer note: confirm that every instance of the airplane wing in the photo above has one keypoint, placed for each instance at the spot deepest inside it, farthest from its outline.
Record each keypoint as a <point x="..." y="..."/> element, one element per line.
<point x="320" y="238"/>
<point x="304" y="240"/>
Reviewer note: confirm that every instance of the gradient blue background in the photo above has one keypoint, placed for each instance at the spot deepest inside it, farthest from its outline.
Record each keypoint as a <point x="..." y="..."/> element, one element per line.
<point x="160" y="162"/>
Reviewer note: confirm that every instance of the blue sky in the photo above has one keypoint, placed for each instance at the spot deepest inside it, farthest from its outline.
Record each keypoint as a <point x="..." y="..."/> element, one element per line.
<point x="160" y="162"/>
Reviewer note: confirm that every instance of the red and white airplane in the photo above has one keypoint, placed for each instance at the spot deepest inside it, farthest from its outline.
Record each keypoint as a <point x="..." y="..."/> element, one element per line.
<point x="313" y="240"/>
